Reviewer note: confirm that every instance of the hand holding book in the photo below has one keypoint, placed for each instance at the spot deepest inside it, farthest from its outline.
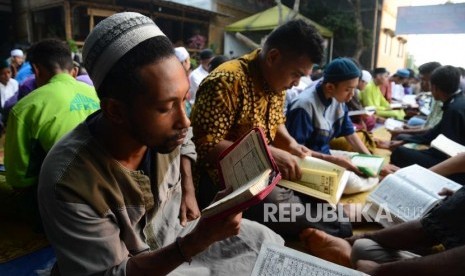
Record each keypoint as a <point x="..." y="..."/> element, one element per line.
<point x="248" y="170"/>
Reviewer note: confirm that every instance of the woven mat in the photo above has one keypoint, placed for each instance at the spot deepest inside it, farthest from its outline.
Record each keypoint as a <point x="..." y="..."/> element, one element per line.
<point x="17" y="239"/>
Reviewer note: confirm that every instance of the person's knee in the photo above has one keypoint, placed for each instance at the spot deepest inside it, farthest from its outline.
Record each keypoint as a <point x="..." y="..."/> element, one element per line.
<point x="403" y="137"/>
<point x="361" y="250"/>
<point x="399" y="156"/>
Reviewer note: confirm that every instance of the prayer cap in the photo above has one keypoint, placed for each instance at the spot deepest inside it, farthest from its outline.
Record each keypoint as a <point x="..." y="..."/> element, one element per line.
<point x="112" y="38"/>
<point x="181" y="53"/>
<point x="366" y="76"/>
<point x="341" y="69"/>
<point x="403" y="73"/>
<point x="17" y="53"/>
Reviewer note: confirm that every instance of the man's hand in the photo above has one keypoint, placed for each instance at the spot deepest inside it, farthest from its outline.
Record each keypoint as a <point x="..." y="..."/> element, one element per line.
<point x="209" y="231"/>
<point x="445" y="192"/>
<point x="299" y="150"/>
<point x="287" y="163"/>
<point x="388" y="169"/>
<point x="212" y="230"/>
<point x="395" y="132"/>
<point x="395" y="144"/>
<point x="189" y="208"/>
<point x="345" y="163"/>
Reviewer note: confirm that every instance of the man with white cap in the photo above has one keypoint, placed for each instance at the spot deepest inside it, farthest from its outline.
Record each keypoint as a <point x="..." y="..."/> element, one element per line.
<point x="110" y="192"/>
<point x="21" y="69"/>
<point x="183" y="56"/>
<point x="16" y="60"/>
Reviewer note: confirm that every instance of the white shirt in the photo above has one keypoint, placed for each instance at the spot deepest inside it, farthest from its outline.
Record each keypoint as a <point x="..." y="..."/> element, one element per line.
<point x="8" y="90"/>
<point x="195" y="78"/>
<point x="397" y="91"/>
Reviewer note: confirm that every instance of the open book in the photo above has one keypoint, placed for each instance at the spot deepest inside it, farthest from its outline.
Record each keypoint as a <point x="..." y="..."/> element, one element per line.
<point x="395" y="105"/>
<point x="276" y="259"/>
<point x="368" y="110"/>
<point x="407" y="195"/>
<point x="370" y="165"/>
<point x="447" y="146"/>
<point x="248" y="169"/>
<point x="320" y="179"/>
<point x="392" y="124"/>
<point x="361" y="112"/>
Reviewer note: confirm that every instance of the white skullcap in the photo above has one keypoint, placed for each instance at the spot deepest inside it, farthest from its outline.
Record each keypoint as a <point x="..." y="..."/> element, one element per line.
<point x="17" y="53"/>
<point x="181" y="53"/>
<point x="112" y="38"/>
<point x="366" y="76"/>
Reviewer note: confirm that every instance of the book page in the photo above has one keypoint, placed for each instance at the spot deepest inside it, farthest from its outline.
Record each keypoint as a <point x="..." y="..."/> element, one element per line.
<point x="392" y="124"/>
<point x="320" y="179"/>
<point x="395" y="105"/>
<point x="447" y="145"/>
<point x="239" y="195"/>
<point x="431" y="182"/>
<point x="245" y="162"/>
<point x="361" y="112"/>
<point x="278" y="260"/>
<point x="401" y="198"/>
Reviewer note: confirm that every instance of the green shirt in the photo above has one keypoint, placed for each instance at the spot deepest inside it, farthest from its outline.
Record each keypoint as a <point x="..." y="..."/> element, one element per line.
<point x="372" y="96"/>
<point x="39" y="120"/>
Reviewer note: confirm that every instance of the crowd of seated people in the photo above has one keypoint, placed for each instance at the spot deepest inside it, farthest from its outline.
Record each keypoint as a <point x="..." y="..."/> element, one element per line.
<point x="105" y="158"/>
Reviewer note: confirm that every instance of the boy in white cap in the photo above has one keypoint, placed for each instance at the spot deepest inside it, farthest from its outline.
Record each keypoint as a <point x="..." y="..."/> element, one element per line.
<point x="183" y="56"/>
<point x="110" y="192"/>
<point x="20" y="68"/>
<point x="16" y="60"/>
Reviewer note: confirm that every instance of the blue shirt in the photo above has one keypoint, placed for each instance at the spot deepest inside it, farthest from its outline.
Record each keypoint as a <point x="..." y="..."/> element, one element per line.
<point x="314" y="120"/>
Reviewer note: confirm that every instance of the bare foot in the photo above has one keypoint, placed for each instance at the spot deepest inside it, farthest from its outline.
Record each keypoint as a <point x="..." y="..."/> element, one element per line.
<point x="381" y="144"/>
<point x="327" y="247"/>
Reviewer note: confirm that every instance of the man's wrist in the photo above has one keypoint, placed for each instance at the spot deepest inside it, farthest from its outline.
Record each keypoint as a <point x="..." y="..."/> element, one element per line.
<point x="181" y="252"/>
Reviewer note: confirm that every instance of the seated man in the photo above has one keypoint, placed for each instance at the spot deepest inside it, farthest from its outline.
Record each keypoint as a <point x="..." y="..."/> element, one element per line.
<point x="372" y="96"/>
<point x="39" y="120"/>
<point x="8" y="88"/>
<point x="363" y="124"/>
<point x="110" y="191"/>
<point x="249" y="92"/>
<point x="435" y="114"/>
<point x="381" y="252"/>
<point x="445" y="88"/>
<point x="320" y="114"/>
<point x="398" y="80"/>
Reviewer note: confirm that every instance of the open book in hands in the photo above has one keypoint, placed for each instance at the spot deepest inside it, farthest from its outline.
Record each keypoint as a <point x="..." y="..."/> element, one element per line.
<point x="447" y="145"/>
<point x="249" y="171"/>
<point x="368" y="110"/>
<point x="370" y="165"/>
<point x="406" y="195"/>
<point x="320" y="179"/>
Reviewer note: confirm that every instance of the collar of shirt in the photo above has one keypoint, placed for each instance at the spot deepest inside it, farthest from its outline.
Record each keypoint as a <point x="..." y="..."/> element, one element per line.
<point x="451" y="99"/>
<point x="321" y="94"/>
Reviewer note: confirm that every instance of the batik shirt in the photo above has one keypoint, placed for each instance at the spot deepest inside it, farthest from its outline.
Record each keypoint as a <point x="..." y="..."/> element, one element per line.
<point x="233" y="99"/>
